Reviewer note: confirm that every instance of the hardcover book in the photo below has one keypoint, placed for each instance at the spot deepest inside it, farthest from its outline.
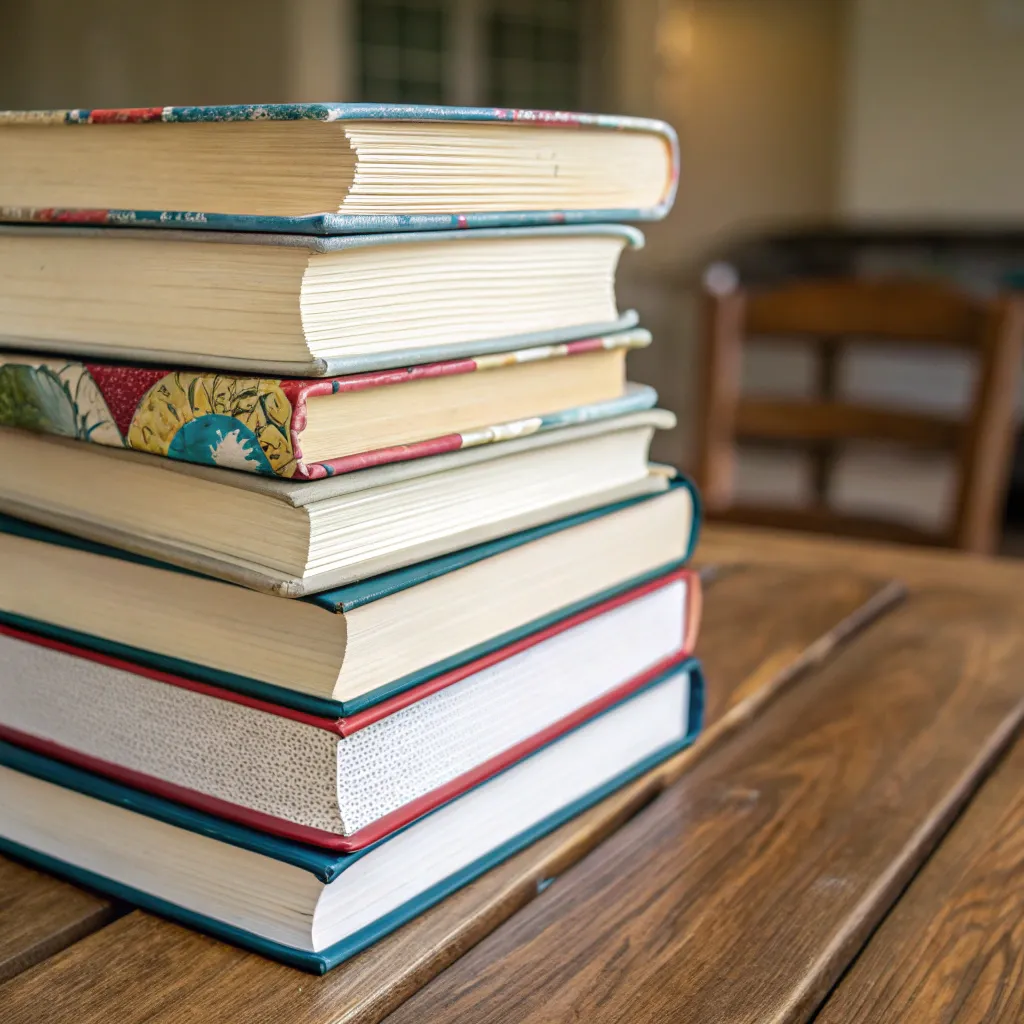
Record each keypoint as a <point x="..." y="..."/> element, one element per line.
<point x="296" y="537"/>
<point x="342" y="783"/>
<point x="314" y="908"/>
<point x="336" y="653"/>
<point x="307" y="429"/>
<point x="294" y="305"/>
<point x="329" y="168"/>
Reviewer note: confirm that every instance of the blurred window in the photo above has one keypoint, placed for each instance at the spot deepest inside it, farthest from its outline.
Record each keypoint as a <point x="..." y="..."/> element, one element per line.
<point x="502" y="53"/>
<point x="534" y="54"/>
<point x="402" y="50"/>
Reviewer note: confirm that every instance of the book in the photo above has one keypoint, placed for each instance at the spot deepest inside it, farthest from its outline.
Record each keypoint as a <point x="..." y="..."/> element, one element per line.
<point x="307" y="429"/>
<point x="291" y="537"/>
<point x="338" y="652"/>
<point x="314" y="908"/>
<point x="295" y="305"/>
<point x="328" y="168"/>
<point x="341" y="783"/>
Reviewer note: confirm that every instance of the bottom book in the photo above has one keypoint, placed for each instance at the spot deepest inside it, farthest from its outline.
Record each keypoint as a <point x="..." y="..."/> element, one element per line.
<point x="313" y="908"/>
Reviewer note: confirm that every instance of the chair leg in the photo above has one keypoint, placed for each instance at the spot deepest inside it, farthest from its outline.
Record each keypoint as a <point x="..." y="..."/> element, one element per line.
<point x="988" y="441"/>
<point x="722" y="339"/>
<point x="823" y="455"/>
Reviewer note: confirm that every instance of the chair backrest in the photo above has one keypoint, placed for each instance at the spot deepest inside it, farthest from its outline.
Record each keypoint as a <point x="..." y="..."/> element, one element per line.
<point x="829" y="314"/>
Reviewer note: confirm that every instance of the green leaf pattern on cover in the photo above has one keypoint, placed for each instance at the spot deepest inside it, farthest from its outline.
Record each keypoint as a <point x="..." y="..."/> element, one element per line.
<point x="55" y="398"/>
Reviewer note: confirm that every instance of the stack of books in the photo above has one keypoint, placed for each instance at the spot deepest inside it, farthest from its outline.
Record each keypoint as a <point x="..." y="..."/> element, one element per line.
<point x="334" y="568"/>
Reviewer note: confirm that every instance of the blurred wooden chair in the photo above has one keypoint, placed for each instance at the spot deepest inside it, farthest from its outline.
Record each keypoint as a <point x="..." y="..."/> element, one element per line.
<point x="828" y="314"/>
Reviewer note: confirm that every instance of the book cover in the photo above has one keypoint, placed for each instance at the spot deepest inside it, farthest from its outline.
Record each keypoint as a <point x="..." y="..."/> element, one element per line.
<point x="344" y="599"/>
<point x="340" y="223"/>
<point x="309" y="493"/>
<point x="320" y="366"/>
<point x="255" y="423"/>
<point x="324" y="865"/>
<point x="381" y="709"/>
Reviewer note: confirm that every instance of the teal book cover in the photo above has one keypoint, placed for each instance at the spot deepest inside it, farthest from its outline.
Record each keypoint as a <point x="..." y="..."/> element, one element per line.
<point x="341" y="600"/>
<point x="141" y="882"/>
<point x="630" y="173"/>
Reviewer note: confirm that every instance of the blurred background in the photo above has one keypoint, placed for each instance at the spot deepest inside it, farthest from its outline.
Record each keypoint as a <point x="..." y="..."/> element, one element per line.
<point x="845" y="139"/>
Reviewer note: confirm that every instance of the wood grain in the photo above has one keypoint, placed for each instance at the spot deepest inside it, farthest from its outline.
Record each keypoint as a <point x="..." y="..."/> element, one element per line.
<point x="40" y="915"/>
<point x="747" y="637"/>
<point x="952" y="950"/>
<point x="145" y="969"/>
<point x="743" y="892"/>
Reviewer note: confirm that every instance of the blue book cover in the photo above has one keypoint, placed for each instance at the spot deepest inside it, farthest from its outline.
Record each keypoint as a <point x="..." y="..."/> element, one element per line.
<point x="329" y="867"/>
<point x="41" y="204"/>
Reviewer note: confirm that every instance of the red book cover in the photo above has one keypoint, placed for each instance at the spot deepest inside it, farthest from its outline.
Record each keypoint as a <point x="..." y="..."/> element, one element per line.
<point x="347" y="727"/>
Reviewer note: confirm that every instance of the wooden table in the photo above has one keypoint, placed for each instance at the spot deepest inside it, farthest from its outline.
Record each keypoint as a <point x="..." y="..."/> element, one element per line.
<point x="845" y="843"/>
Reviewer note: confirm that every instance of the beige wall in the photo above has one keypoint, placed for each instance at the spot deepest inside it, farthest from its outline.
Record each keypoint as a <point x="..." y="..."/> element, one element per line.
<point x="752" y="87"/>
<point x="934" y="109"/>
<point x="754" y="94"/>
<point x="118" y="53"/>
<point x="932" y="130"/>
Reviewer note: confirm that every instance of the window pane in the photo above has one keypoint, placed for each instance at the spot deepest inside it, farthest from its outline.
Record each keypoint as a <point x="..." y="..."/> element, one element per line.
<point x="401" y="50"/>
<point x="534" y="53"/>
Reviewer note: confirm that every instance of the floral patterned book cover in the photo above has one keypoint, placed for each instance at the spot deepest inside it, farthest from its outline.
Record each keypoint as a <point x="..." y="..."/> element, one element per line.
<point x="335" y="223"/>
<point x="255" y="423"/>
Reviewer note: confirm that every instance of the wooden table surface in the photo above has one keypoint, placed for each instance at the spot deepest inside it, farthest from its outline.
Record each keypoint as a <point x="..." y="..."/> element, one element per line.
<point x="845" y="843"/>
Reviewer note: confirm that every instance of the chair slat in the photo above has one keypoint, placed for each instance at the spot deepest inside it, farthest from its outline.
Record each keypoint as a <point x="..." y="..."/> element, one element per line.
<point x="812" y="421"/>
<point x="906" y="311"/>
<point x="832" y="315"/>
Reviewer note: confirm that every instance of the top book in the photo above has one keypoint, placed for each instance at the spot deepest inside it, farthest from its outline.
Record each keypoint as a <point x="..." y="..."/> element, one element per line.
<point x="324" y="168"/>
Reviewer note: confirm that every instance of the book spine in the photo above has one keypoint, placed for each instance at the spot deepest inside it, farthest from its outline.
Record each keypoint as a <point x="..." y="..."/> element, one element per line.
<point x="324" y="225"/>
<point x="637" y="398"/>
